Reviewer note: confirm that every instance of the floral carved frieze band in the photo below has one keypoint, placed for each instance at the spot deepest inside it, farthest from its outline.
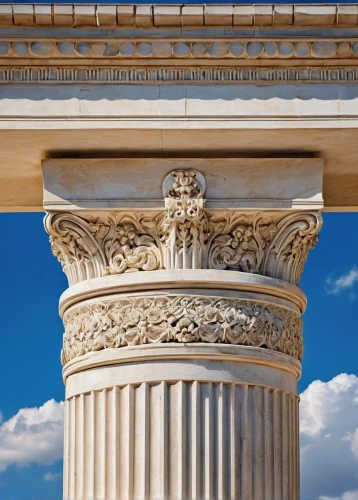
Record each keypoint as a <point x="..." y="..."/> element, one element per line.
<point x="183" y="236"/>
<point x="154" y="319"/>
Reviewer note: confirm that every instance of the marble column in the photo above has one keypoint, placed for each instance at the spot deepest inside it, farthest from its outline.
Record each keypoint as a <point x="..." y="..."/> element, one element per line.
<point x="182" y="345"/>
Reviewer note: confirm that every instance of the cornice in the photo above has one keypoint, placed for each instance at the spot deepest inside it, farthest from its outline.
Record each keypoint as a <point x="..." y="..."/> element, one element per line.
<point x="146" y="16"/>
<point x="169" y="60"/>
<point x="173" y="44"/>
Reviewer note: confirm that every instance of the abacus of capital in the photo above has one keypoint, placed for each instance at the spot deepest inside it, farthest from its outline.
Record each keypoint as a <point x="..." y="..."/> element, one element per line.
<point x="182" y="154"/>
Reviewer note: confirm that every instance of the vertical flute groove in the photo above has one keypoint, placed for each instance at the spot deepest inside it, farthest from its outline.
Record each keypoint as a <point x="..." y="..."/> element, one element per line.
<point x="100" y="430"/>
<point x="195" y="441"/>
<point x="126" y="442"/>
<point x="246" y="449"/>
<point x="141" y="441"/>
<point x="258" y="442"/>
<point x="182" y="440"/>
<point x="269" y="444"/>
<point x="265" y="423"/>
<point x="72" y="453"/>
<point x="290" y="444"/>
<point x="111" y="443"/>
<point x="79" y="446"/>
<point x="221" y="442"/>
<point x="278" y="479"/>
<point x="234" y="444"/>
<point x="164" y="437"/>
<point x="66" y="451"/>
<point x="285" y="444"/>
<point x="298" y="458"/>
<point x="208" y="442"/>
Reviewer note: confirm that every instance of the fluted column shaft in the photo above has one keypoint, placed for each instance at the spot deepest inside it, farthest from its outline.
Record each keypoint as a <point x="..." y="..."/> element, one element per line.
<point x="184" y="439"/>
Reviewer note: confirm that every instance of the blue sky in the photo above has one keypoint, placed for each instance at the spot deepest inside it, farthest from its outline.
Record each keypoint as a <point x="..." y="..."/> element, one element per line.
<point x="32" y="281"/>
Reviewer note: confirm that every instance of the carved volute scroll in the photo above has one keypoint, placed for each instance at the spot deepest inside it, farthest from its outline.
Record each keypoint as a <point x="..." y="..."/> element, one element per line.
<point x="184" y="235"/>
<point x="274" y="245"/>
<point x="99" y="246"/>
<point x="287" y="253"/>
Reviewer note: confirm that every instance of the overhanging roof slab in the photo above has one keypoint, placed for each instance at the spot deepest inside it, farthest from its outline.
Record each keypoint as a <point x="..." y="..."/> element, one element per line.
<point x="139" y="81"/>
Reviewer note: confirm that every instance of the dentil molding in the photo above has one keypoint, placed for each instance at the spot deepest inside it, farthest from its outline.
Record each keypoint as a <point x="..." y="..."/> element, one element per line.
<point x="175" y="74"/>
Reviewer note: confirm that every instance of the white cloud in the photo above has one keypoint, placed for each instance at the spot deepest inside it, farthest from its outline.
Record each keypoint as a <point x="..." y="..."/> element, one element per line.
<point x="329" y="439"/>
<point x="342" y="283"/>
<point x="33" y="435"/>
<point x="52" y="476"/>
<point x="349" y="495"/>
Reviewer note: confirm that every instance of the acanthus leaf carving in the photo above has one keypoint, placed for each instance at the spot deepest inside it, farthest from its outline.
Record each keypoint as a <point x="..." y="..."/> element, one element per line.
<point x="101" y="246"/>
<point x="242" y="243"/>
<point x="75" y="246"/>
<point x="184" y="236"/>
<point x="286" y="256"/>
<point x="127" y="248"/>
<point x="185" y="226"/>
<point x="275" y="246"/>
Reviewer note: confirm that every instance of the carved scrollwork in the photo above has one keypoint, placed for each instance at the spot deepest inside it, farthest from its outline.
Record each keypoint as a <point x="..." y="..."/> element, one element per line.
<point x="154" y="319"/>
<point x="297" y="234"/>
<point x="126" y="247"/>
<point x="269" y="245"/>
<point x="242" y="243"/>
<point x="75" y="247"/>
<point x="184" y="236"/>
<point x="101" y="246"/>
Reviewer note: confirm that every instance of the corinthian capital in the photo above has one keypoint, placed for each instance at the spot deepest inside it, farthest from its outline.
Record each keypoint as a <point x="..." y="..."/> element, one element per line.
<point x="183" y="235"/>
